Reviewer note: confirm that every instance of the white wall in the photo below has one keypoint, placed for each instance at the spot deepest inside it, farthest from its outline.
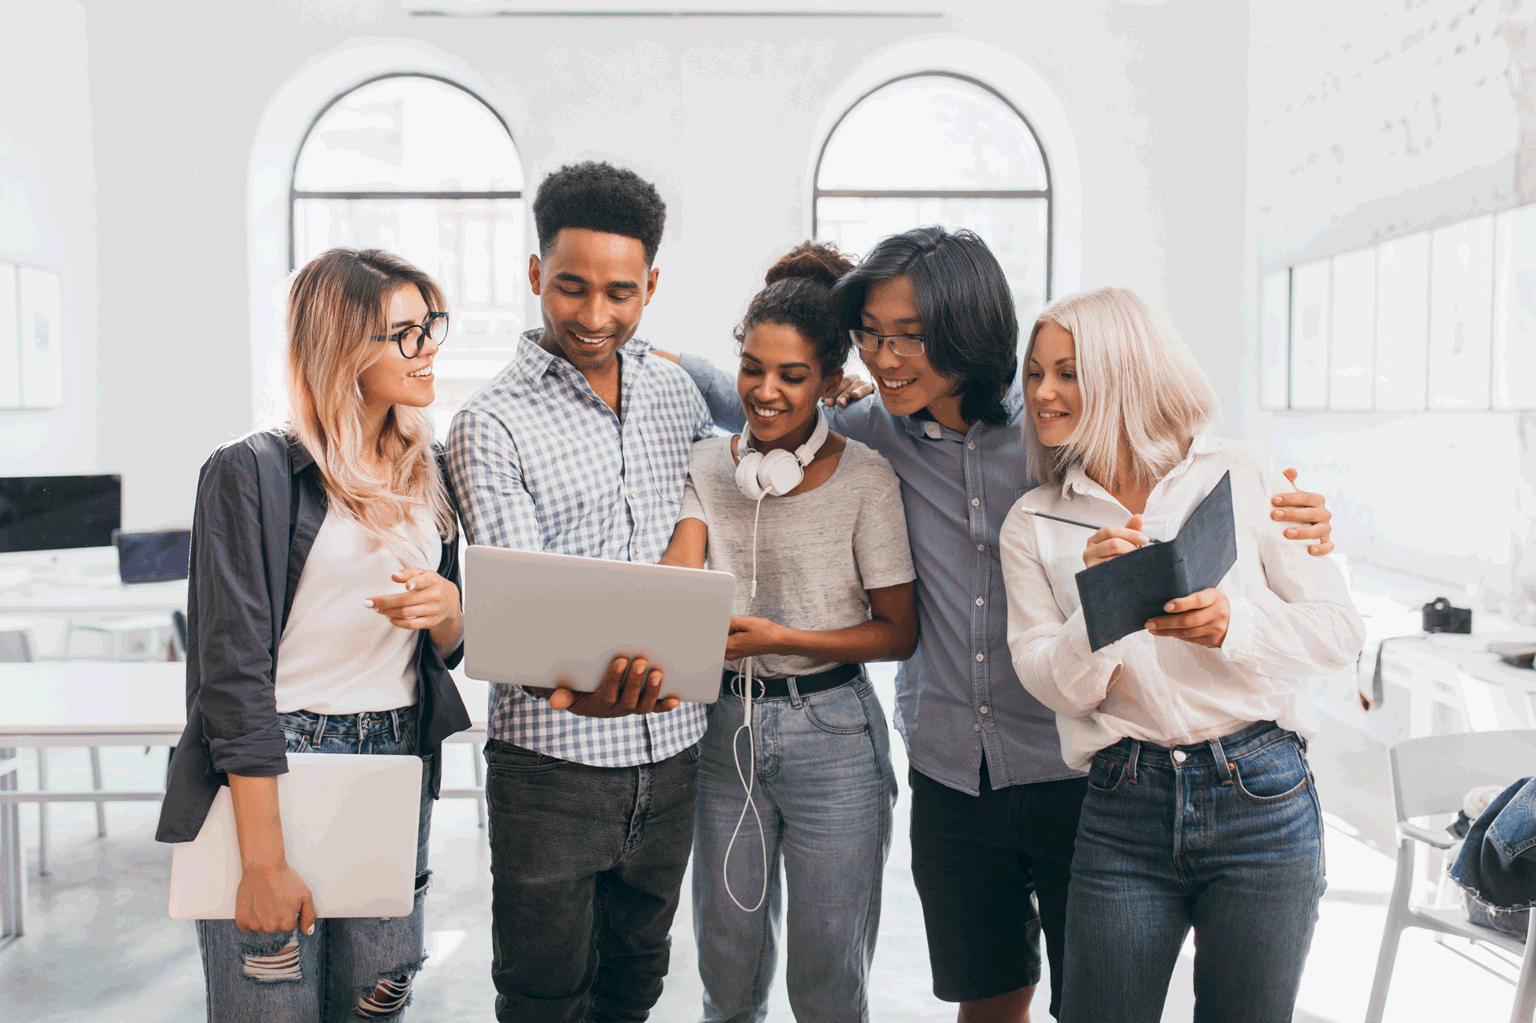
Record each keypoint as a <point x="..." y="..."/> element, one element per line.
<point x="48" y="218"/>
<point x="1372" y="120"/>
<point x="718" y="112"/>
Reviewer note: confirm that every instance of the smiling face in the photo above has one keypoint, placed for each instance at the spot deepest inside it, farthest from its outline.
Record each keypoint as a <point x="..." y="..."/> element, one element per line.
<point x="907" y="384"/>
<point x="779" y="382"/>
<point x="1051" y="391"/>
<point x="392" y="379"/>
<point x="592" y="288"/>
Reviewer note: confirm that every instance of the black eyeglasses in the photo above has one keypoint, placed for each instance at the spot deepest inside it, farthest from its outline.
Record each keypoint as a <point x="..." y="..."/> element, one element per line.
<point x="414" y="338"/>
<point x="904" y="345"/>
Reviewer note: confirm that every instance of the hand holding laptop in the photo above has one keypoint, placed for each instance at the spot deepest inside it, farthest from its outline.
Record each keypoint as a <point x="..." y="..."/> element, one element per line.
<point x="627" y="688"/>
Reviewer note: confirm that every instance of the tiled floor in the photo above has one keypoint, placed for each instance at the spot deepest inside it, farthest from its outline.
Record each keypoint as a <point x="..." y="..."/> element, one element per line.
<point x="99" y="947"/>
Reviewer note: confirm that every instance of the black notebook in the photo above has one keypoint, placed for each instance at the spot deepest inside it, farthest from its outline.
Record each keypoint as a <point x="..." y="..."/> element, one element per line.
<point x="1119" y="595"/>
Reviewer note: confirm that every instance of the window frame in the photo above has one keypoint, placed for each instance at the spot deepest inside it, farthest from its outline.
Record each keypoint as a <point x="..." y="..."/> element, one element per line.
<point x="295" y="193"/>
<point x="818" y="193"/>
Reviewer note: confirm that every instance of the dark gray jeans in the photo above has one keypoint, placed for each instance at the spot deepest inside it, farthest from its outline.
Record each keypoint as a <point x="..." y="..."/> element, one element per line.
<point x="586" y="867"/>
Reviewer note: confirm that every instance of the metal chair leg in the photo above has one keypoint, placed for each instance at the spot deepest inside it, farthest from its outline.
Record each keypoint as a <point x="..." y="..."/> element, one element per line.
<point x="1525" y="988"/>
<point x="1392" y="933"/>
<point x="101" y="808"/>
<point x="42" y="812"/>
<point x="479" y="764"/>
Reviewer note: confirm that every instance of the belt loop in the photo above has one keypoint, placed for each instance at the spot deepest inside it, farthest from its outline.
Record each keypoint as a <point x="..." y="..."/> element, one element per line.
<point x="1222" y="764"/>
<point x="795" y="700"/>
<point x="319" y="730"/>
<point x="1130" y="765"/>
<point x="394" y="720"/>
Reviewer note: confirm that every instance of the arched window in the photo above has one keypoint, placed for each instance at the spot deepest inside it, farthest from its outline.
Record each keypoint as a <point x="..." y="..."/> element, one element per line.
<point x="421" y="167"/>
<point x="940" y="149"/>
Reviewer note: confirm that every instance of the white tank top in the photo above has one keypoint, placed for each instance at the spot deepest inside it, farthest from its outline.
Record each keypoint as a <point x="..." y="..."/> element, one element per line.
<point x="338" y="656"/>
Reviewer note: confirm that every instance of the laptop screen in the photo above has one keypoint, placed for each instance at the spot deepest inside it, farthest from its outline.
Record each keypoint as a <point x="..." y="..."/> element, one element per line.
<point x="153" y="557"/>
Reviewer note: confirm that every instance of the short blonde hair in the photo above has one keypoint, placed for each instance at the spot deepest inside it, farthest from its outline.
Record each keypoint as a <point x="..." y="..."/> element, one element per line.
<point x="1138" y="383"/>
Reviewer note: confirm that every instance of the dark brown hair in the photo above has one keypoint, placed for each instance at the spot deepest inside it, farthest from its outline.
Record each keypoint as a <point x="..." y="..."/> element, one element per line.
<point x="798" y="294"/>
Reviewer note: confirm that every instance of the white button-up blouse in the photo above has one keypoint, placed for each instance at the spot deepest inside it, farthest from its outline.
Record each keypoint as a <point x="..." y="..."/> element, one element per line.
<point x="1291" y="615"/>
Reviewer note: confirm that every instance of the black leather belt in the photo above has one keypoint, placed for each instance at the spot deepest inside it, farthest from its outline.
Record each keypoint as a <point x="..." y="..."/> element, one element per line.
<point x="805" y="685"/>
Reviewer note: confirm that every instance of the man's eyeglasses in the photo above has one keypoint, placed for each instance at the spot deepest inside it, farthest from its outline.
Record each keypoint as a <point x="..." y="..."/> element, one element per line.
<point x="414" y="338"/>
<point x="904" y="345"/>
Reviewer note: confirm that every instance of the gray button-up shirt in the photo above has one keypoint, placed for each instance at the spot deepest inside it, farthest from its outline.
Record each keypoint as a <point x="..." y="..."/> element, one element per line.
<point x="957" y="697"/>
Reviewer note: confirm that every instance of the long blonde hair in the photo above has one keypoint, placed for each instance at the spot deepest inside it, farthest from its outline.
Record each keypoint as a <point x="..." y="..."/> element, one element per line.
<point x="1138" y="382"/>
<point x="337" y="304"/>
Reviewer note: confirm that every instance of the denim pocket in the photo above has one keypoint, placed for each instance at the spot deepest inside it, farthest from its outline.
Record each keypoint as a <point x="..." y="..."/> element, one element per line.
<point x="1107" y="775"/>
<point x="838" y="711"/>
<point x="1271" y="775"/>
<point x="504" y="758"/>
<point x="296" y="741"/>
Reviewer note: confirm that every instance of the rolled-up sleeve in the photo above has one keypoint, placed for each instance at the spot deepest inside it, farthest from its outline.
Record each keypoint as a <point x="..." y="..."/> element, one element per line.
<point x="230" y="623"/>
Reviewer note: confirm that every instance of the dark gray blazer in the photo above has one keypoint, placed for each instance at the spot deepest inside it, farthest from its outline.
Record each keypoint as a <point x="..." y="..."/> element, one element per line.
<point x="260" y="503"/>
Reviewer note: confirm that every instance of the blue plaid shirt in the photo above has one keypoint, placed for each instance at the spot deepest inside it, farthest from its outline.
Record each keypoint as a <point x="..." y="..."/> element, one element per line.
<point x="538" y="462"/>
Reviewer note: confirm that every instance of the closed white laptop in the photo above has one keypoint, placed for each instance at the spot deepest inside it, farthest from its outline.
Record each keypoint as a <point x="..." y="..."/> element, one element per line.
<point x="349" y="830"/>
<point x="531" y="618"/>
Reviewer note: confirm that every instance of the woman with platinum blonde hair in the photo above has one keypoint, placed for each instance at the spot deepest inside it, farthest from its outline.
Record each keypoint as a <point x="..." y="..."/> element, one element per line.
<point x="322" y="616"/>
<point x="1201" y="810"/>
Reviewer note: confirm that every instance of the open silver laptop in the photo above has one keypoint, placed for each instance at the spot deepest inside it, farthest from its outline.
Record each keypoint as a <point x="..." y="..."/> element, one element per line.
<point x="531" y="618"/>
<point x="349" y="830"/>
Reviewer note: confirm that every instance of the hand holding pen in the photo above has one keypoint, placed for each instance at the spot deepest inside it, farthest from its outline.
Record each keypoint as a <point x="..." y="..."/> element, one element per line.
<point x="1107" y="541"/>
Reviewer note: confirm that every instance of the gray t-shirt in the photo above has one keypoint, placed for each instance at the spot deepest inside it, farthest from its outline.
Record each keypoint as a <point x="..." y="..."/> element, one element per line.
<point x="817" y="552"/>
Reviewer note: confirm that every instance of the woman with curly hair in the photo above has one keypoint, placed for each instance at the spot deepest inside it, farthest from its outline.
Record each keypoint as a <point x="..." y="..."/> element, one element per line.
<point x="811" y="524"/>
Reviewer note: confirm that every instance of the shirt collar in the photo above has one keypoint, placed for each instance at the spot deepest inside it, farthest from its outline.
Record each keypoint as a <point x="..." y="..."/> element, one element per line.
<point x="535" y="361"/>
<point x="1077" y="478"/>
<point x="1013" y="405"/>
<point x="299" y="457"/>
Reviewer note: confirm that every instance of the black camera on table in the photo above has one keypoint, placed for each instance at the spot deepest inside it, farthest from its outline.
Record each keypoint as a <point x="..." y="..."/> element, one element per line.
<point x="1440" y="616"/>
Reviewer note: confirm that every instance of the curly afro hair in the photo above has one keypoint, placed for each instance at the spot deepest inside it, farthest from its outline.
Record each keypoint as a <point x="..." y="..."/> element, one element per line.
<point x="798" y="294"/>
<point x="599" y="197"/>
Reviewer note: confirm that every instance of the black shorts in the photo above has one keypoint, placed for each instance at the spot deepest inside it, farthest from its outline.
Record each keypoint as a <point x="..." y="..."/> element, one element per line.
<point x="992" y="871"/>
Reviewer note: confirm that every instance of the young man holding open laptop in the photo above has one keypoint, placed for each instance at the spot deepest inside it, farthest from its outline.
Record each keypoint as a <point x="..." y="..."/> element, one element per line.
<point x="580" y="446"/>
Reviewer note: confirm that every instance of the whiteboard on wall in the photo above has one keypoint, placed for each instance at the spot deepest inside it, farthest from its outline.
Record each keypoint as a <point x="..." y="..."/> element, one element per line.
<point x="1274" y="340"/>
<point x="10" y="349"/>
<point x="1309" y="335"/>
<point x="42" y="338"/>
<point x="1461" y="315"/>
<point x="1352" y="331"/>
<point x="1402" y="323"/>
<point x="1514" y="309"/>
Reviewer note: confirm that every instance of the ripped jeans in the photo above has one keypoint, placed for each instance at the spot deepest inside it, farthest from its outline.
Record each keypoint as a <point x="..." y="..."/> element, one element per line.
<point x="349" y="969"/>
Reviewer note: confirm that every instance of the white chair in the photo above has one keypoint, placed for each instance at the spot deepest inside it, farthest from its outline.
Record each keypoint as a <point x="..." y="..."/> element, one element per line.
<point x="1430" y="776"/>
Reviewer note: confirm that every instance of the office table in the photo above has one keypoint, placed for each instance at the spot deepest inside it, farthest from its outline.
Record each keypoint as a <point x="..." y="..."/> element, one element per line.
<point x="109" y="703"/>
<point x="105" y="597"/>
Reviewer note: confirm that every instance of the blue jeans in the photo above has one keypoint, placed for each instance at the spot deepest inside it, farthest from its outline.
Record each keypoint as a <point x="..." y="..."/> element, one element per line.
<point x="1225" y="837"/>
<point x="348" y="969"/>
<point x="825" y="791"/>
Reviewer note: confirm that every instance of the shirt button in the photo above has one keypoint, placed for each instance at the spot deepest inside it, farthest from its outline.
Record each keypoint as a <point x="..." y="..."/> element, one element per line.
<point x="981" y="547"/>
<point x="979" y="602"/>
<point x="985" y="709"/>
<point x="975" y="502"/>
<point x="975" y="728"/>
<point x="1179" y="756"/>
<point x="637" y="552"/>
<point x="634" y="494"/>
<point x="971" y="445"/>
<point x="981" y="657"/>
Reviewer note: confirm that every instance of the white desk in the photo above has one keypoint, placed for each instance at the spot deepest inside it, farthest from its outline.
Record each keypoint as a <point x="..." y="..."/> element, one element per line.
<point x="106" y="703"/>
<point x="107" y="597"/>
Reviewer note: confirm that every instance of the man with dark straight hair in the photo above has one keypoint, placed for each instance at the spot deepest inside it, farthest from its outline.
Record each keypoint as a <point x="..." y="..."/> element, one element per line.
<point x="591" y="796"/>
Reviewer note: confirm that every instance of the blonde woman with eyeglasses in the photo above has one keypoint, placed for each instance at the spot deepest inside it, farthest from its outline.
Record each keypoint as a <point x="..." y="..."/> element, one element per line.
<point x="323" y="615"/>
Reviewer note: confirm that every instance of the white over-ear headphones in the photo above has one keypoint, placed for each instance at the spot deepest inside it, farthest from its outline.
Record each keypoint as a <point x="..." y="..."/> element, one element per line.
<point x="761" y="474"/>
